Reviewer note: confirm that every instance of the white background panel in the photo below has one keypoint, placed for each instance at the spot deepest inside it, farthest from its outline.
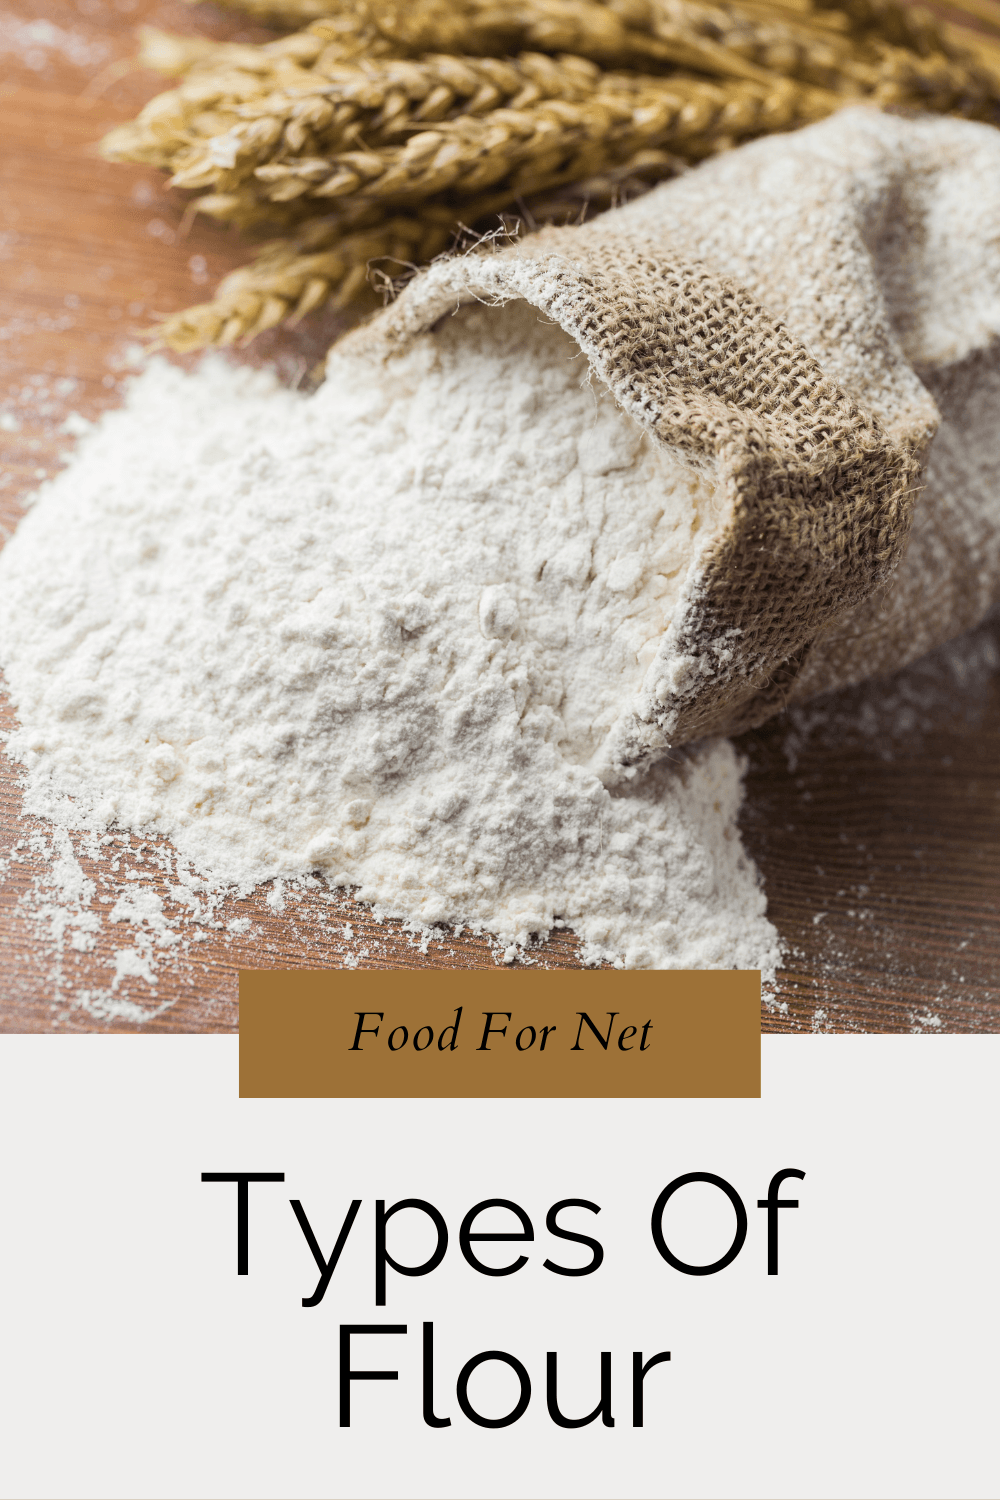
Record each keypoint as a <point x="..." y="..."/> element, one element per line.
<point x="137" y="1363"/>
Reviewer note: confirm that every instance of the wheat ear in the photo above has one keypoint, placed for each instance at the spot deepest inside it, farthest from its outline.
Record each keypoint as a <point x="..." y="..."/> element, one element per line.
<point x="291" y="278"/>
<point x="338" y="258"/>
<point x="291" y="143"/>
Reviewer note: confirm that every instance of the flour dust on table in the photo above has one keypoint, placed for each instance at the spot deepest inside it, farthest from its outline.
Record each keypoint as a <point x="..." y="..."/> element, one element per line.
<point x="381" y="634"/>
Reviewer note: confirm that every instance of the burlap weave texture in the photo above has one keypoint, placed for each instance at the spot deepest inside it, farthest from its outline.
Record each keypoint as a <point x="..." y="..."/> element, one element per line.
<point x="812" y="319"/>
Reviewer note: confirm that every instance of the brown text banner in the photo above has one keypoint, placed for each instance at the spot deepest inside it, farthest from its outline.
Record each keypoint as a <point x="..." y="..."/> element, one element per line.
<point x="497" y="1034"/>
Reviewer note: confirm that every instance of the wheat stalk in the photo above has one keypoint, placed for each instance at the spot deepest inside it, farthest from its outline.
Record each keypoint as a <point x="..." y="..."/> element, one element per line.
<point x="811" y="40"/>
<point x="628" y="34"/>
<point x="290" y="278"/>
<point x="545" y="143"/>
<point x="690" y="38"/>
<point x="365" y="131"/>
<point x="412" y="147"/>
<point x="758" y="42"/>
<point x="223" y="121"/>
<point x="290" y="13"/>
<point x="612" y="183"/>
<point x="913" y="27"/>
<point x="240" y="108"/>
<point x="337" y="260"/>
<point x="811" y="43"/>
<point x="376" y="131"/>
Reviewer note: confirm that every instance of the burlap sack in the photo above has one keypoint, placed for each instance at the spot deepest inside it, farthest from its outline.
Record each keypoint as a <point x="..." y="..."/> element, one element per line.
<point x="813" y="318"/>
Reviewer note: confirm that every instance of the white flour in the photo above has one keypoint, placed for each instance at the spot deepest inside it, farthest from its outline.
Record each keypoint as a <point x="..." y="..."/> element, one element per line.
<point x="380" y="633"/>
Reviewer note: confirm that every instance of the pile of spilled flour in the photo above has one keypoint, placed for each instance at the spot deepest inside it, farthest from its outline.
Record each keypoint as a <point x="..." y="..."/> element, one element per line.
<point x="380" y="634"/>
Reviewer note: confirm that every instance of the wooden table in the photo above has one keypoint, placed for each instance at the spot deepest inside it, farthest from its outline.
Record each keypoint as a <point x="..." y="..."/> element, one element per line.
<point x="874" y="818"/>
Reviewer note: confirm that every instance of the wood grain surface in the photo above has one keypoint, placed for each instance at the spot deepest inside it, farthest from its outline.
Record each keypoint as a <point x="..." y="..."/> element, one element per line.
<point x="873" y="816"/>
